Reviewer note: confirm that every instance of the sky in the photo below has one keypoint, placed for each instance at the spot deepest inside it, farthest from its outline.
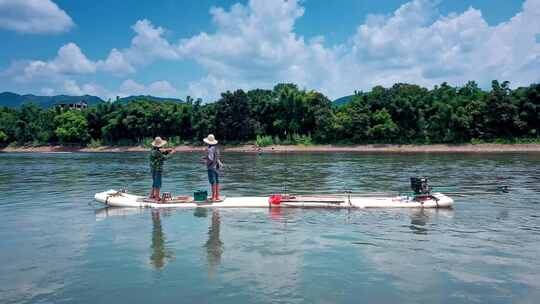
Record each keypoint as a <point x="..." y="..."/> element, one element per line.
<point x="173" y="48"/>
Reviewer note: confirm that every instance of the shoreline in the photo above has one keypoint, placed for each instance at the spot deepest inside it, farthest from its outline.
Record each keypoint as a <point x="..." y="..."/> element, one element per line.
<point x="386" y="148"/>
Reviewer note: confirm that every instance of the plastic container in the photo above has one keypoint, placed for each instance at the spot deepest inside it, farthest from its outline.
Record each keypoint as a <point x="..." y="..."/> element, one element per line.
<point x="200" y="196"/>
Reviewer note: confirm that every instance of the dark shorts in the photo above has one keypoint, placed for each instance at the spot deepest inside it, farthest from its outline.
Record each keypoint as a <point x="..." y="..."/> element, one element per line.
<point x="213" y="176"/>
<point x="156" y="179"/>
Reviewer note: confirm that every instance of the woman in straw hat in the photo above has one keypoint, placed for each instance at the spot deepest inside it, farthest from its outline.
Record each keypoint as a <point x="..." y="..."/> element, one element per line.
<point x="213" y="164"/>
<point x="157" y="157"/>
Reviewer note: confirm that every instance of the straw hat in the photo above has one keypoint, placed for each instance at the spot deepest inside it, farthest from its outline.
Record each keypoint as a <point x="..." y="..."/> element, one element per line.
<point x="158" y="142"/>
<point x="210" y="140"/>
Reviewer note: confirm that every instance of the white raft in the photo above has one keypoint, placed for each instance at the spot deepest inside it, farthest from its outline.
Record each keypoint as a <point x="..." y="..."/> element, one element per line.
<point x="437" y="200"/>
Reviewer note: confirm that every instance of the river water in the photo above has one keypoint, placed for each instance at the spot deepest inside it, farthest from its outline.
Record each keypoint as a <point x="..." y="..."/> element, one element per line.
<point x="59" y="246"/>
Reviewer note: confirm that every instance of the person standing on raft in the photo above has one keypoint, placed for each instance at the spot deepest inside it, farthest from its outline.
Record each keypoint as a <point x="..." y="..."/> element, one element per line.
<point x="157" y="157"/>
<point x="213" y="164"/>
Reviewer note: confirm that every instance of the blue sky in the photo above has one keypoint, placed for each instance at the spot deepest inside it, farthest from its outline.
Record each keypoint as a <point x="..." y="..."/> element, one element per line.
<point x="201" y="48"/>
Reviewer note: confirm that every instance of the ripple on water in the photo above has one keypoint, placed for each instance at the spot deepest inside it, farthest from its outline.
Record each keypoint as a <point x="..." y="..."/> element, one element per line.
<point x="59" y="246"/>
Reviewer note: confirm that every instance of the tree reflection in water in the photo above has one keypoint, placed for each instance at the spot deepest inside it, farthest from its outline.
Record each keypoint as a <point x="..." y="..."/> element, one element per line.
<point x="214" y="245"/>
<point x="160" y="254"/>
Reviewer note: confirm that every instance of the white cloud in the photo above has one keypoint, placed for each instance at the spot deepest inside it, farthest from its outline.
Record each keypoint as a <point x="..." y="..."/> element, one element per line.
<point x="116" y="63"/>
<point x="149" y="44"/>
<point x="71" y="87"/>
<point x="129" y="87"/>
<point x="255" y="46"/>
<point x="47" y="91"/>
<point x="511" y="49"/>
<point x="408" y="47"/>
<point x="33" y="16"/>
<point x="161" y="88"/>
<point x="209" y="86"/>
<point x="69" y="60"/>
<point x="453" y="48"/>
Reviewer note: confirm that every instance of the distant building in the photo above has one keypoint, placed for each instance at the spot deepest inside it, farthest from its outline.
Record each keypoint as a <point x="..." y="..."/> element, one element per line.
<point x="81" y="105"/>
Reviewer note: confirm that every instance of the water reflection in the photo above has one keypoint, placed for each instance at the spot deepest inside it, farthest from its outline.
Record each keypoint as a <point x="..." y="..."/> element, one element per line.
<point x="276" y="214"/>
<point x="214" y="245"/>
<point x="106" y="212"/>
<point x="419" y="219"/>
<point x="484" y="251"/>
<point x="160" y="253"/>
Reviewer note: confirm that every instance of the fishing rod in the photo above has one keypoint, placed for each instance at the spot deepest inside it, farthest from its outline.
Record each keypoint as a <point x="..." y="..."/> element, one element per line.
<point x="465" y="194"/>
<point x="450" y="190"/>
<point x="355" y="194"/>
<point x="455" y="189"/>
<point x="470" y="186"/>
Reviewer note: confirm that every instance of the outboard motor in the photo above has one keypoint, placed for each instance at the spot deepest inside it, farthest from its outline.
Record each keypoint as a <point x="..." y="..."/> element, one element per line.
<point x="420" y="186"/>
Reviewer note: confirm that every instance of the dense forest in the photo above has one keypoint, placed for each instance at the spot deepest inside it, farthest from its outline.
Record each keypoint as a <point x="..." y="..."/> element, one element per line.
<point x="403" y="113"/>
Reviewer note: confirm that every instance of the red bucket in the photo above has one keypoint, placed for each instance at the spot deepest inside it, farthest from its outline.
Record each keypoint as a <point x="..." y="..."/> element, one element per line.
<point x="275" y="199"/>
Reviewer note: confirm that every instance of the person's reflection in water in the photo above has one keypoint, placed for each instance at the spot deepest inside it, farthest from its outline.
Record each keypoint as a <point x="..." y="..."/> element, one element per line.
<point x="160" y="254"/>
<point x="214" y="245"/>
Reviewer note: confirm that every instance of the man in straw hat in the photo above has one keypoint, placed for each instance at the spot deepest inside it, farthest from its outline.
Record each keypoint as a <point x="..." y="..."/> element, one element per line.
<point x="213" y="164"/>
<point x="157" y="157"/>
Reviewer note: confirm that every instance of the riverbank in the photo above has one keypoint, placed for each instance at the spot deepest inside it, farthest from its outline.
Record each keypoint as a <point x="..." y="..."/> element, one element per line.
<point x="464" y="148"/>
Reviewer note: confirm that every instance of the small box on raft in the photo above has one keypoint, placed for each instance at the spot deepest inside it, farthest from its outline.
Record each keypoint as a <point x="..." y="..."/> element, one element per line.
<point x="200" y="196"/>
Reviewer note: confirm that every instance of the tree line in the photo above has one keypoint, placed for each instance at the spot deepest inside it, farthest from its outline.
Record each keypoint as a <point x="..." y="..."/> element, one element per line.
<point x="403" y="113"/>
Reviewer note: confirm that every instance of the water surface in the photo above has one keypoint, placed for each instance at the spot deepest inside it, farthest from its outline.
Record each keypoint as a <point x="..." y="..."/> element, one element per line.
<point x="58" y="246"/>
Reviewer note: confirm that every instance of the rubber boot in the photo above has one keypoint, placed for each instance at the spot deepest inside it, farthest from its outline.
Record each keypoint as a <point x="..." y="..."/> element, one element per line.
<point x="213" y="192"/>
<point x="157" y="198"/>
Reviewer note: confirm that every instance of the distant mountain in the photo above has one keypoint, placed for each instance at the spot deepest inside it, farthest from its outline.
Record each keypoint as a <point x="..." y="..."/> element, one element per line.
<point x="14" y="100"/>
<point x="343" y="100"/>
<point x="148" y="97"/>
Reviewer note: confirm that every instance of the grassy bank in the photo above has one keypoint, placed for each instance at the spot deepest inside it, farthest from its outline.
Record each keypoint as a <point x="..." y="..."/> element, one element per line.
<point x="250" y="148"/>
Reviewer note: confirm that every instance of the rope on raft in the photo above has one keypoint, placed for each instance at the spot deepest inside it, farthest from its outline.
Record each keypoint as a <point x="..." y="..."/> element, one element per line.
<point x="114" y="194"/>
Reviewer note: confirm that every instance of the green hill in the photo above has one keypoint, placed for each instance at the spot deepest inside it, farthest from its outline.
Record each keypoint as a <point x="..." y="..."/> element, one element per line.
<point x="149" y="98"/>
<point x="14" y="100"/>
<point x="343" y="100"/>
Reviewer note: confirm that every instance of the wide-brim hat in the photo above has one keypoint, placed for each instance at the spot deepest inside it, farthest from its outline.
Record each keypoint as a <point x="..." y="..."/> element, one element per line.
<point x="158" y="142"/>
<point x="210" y="139"/>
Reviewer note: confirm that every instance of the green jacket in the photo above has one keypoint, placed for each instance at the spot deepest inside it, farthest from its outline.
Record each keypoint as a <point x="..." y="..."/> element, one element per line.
<point x="157" y="157"/>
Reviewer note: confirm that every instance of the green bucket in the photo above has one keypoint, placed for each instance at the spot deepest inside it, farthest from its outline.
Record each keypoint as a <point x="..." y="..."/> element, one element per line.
<point x="200" y="196"/>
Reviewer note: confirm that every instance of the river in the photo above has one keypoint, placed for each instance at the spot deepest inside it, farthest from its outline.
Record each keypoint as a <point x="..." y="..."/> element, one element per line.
<point x="59" y="246"/>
